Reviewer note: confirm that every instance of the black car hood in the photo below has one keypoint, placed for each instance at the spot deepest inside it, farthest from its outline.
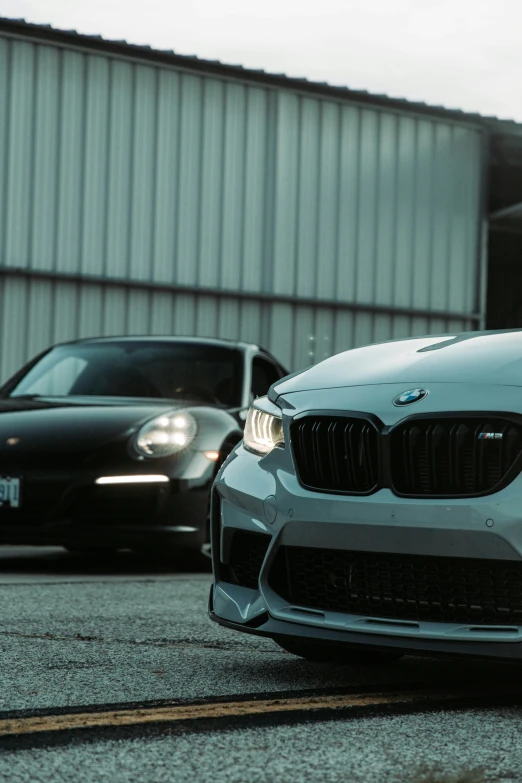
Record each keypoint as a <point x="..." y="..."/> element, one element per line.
<point x="63" y="425"/>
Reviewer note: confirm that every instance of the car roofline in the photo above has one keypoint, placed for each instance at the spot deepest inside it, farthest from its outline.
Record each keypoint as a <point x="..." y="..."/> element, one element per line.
<point x="217" y="341"/>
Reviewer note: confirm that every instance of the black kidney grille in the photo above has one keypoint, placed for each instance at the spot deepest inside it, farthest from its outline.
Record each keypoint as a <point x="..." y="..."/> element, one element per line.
<point x="336" y="453"/>
<point x="246" y="557"/>
<point x="449" y="457"/>
<point x="403" y="587"/>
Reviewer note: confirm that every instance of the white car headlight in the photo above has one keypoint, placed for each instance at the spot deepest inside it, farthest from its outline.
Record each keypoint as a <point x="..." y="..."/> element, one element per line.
<point x="264" y="427"/>
<point x="166" y="434"/>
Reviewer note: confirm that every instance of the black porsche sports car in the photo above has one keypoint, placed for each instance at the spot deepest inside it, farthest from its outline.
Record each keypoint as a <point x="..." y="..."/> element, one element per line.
<point x="113" y="443"/>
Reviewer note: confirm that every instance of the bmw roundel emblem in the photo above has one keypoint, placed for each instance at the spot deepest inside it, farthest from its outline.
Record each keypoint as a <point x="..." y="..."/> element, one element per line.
<point x="409" y="397"/>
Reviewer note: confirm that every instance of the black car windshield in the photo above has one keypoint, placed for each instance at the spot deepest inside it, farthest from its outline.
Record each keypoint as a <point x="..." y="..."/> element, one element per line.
<point x="168" y="370"/>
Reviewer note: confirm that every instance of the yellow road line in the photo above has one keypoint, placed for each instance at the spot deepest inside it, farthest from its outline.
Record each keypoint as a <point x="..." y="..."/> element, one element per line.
<point x="229" y="709"/>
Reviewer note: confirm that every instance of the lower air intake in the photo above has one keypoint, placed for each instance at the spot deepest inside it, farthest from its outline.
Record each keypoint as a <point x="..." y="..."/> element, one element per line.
<point x="246" y="558"/>
<point x="403" y="587"/>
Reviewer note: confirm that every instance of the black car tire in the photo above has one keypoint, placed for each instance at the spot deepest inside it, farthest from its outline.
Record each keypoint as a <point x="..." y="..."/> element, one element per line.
<point x="321" y="652"/>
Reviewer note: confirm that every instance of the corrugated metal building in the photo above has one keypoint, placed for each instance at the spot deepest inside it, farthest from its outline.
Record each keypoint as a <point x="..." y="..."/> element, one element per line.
<point x="146" y="192"/>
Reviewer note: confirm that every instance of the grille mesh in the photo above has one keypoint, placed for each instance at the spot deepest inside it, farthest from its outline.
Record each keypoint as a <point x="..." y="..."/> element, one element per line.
<point x="403" y="587"/>
<point x="452" y="456"/>
<point x="246" y="557"/>
<point x="336" y="453"/>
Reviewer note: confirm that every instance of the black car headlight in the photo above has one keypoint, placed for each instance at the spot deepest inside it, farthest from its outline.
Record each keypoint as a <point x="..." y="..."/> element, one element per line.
<point x="165" y="435"/>
<point x="264" y="427"/>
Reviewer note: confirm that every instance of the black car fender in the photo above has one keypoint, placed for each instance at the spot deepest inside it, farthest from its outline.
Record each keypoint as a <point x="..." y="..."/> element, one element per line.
<point x="217" y="429"/>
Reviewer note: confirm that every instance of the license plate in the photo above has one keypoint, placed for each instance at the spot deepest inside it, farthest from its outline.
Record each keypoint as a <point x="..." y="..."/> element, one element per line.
<point x="9" y="492"/>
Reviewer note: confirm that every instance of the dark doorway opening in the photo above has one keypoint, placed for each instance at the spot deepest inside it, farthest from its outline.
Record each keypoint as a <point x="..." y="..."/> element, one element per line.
<point x="504" y="284"/>
<point x="504" y="301"/>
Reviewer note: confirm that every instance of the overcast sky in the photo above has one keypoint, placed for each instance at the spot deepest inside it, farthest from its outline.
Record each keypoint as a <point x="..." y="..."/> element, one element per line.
<point x="459" y="53"/>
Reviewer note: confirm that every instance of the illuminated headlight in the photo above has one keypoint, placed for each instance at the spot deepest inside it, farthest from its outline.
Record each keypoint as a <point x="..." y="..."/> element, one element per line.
<point x="264" y="427"/>
<point x="165" y="435"/>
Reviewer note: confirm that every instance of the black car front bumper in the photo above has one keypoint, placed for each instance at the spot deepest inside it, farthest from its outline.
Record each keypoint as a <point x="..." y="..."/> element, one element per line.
<point x="58" y="510"/>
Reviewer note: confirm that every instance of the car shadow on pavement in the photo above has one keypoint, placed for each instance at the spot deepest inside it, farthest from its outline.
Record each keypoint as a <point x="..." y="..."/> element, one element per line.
<point x="56" y="561"/>
<point x="439" y="673"/>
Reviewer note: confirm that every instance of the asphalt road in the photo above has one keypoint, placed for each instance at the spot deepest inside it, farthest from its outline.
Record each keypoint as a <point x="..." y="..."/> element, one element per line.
<point x="80" y="635"/>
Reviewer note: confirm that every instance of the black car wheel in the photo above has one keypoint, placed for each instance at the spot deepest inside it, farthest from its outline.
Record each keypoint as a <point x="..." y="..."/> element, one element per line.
<point x="321" y="652"/>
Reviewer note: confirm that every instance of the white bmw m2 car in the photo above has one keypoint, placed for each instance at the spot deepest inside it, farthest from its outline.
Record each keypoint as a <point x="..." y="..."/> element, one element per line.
<point x="374" y="507"/>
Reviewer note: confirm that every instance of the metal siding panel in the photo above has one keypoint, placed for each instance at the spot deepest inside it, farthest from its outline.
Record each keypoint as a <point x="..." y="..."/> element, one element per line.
<point x="406" y="168"/>
<point x="388" y="197"/>
<point x="39" y="314"/>
<point x="207" y="316"/>
<point x="303" y="343"/>
<point x="167" y="166"/>
<point x="137" y="315"/>
<point x="70" y="164"/>
<point x="458" y="260"/>
<point x="228" y="319"/>
<point x="475" y="222"/>
<point x="119" y="171"/>
<point x="12" y="341"/>
<point x="343" y="331"/>
<point x="65" y="312"/>
<point x="19" y="163"/>
<point x="454" y="326"/>
<point x="324" y="333"/>
<point x="369" y="174"/>
<point x="144" y="173"/>
<point x="285" y="201"/>
<point x="114" y="311"/>
<point x="189" y="180"/>
<point x="419" y="326"/>
<point x="437" y="326"/>
<point x="440" y="257"/>
<point x="363" y="328"/>
<point x="282" y="332"/>
<point x="161" y="311"/>
<point x="307" y="205"/>
<point x="43" y="227"/>
<point x="250" y="321"/>
<point x="348" y="232"/>
<point x="423" y="218"/>
<point x="462" y="206"/>
<point x="90" y="310"/>
<point x="328" y="206"/>
<point x="233" y="187"/>
<point x="255" y="163"/>
<point x="212" y="184"/>
<point x="185" y="314"/>
<point x="471" y="153"/>
<point x="5" y="77"/>
<point x="94" y="228"/>
<point x="382" y="327"/>
<point x="401" y="327"/>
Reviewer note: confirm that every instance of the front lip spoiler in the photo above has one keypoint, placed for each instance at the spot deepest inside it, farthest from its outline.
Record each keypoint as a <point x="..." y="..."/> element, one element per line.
<point x="273" y="629"/>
